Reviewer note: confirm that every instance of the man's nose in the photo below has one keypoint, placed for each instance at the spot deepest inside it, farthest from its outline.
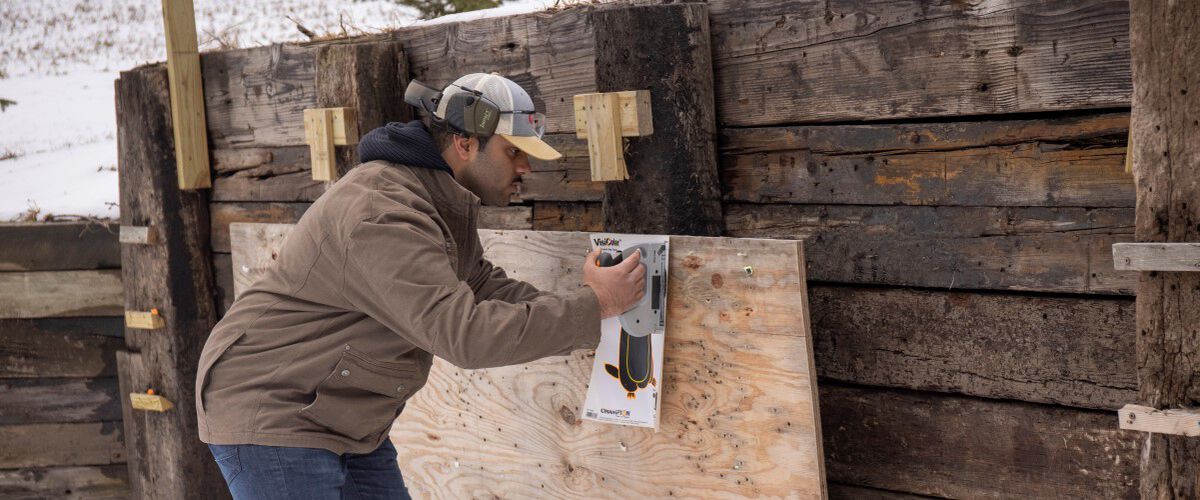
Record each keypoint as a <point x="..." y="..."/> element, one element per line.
<point x="523" y="166"/>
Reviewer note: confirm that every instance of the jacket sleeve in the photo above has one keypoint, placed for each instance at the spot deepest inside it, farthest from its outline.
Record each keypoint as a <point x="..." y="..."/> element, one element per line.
<point x="398" y="272"/>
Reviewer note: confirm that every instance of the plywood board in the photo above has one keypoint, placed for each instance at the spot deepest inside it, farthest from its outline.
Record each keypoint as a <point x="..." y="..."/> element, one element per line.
<point x="739" y="411"/>
<point x="255" y="248"/>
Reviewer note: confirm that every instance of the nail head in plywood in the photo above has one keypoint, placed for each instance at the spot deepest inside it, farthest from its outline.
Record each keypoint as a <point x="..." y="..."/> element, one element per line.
<point x="1181" y="422"/>
<point x="635" y="121"/>
<point x="605" y="148"/>
<point x="1156" y="256"/>
<point x="187" y="95"/>
<point x="138" y="235"/>
<point x="149" y="402"/>
<point x="144" y="320"/>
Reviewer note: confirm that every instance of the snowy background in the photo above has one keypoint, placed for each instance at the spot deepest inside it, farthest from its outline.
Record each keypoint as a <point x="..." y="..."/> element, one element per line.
<point x="59" y="58"/>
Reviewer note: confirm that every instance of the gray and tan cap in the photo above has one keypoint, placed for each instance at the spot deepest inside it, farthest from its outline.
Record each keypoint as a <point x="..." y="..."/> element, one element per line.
<point x="519" y="122"/>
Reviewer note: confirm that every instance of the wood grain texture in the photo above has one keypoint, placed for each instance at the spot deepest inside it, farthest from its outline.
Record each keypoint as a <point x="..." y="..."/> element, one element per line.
<point x="52" y="445"/>
<point x="223" y="279"/>
<point x="505" y="217"/>
<point x="1075" y="161"/>
<point x="100" y="482"/>
<point x="1165" y="138"/>
<point x="49" y="294"/>
<point x="1002" y="248"/>
<point x="566" y="216"/>
<point x="48" y="348"/>
<point x="25" y="401"/>
<point x="566" y="179"/>
<point x="166" y="458"/>
<point x="59" y="246"/>
<point x="255" y="249"/>
<point x="1058" y="350"/>
<point x="738" y="418"/>
<point x="1180" y="422"/>
<point x="223" y="214"/>
<point x="258" y="95"/>
<point x="187" y="95"/>
<point x="960" y="447"/>
<point x="1177" y="257"/>
<point x="673" y="185"/>
<point x="278" y="174"/>
<point x="787" y="61"/>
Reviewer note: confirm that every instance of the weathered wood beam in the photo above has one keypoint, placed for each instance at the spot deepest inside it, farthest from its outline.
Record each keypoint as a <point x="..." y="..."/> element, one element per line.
<point x="101" y="482"/>
<point x="37" y="400"/>
<point x="59" y="444"/>
<point x="567" y="216"/>
<point x="1001" y="248"/>
<point x="370" y="77"/>
<point x="166" y="458"/>
<point x="47" y="294"/>
<point x="1165" y="149"/>
<point x="59" y="246"/>
<point x="673" y="186"/>
<point x="789" y="61"/>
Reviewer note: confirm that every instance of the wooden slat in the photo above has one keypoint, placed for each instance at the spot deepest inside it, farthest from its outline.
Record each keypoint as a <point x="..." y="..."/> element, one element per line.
<point x="59" y="246"/>
<point x="25" y="401"/>
<point x="255" y="248"/>
<point x="318" y="128"/>
<point x="1060" y="350"/>
<point x="138" y="235"/>
<point x="259" y="95"/>
<point x="101" y="482"/>
<point x="61" y="293"/>
<point x="564" y="216"/>
<point x="1005" y="248"/>
<point x="787" y="61"/>
<point x="44" y="348"/>
<point x="1166" y="113"/>
<point x="606" y="154"/>
<point x="223" y="214"/>
<point x="1058" y="162"/>
<point x="187" y="95"/>
<point x="48" y="445"/>
<point x="506" y="217"/>
<point x="737" y="347"/>
<point x="852" y="492"/>
<point x="1179" y="422"/>
<point x="635" y="118"/>
<point x="1156" y="256"/>
<point x="960" y="447"/>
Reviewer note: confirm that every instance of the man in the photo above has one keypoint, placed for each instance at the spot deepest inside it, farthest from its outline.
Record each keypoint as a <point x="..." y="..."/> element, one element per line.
<point x="298" y="385"/>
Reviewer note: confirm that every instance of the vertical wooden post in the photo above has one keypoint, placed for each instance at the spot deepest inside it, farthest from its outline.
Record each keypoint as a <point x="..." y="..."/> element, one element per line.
<point x="1165" y="129"/>
<point x="370" y="77"/>
<point x="673" y="186"/>
<point x="166" y="457"/>
<point x="187" y="95"/>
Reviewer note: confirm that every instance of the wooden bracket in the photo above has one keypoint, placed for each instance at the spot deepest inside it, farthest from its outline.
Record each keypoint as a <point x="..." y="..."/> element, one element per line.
<point x="325" y="128"/>
<point x="603" y="119"/>
<point x="1156" y="256"/>
<point x="138" y="235"/>
<point x="149" y="402"/>
<point x="144" y="320"/>
<point x="1182" y="422"/>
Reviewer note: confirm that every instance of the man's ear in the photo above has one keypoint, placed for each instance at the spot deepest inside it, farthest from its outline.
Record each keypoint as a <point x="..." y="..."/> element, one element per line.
<point x="463" y="145"/>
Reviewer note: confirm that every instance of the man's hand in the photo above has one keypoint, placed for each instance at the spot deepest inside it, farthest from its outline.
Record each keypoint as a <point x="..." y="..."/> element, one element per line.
<point x="617" y="287"/>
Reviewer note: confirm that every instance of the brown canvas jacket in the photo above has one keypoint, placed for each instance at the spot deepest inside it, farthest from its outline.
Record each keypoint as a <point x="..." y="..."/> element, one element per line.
<point x="382" y="273"/>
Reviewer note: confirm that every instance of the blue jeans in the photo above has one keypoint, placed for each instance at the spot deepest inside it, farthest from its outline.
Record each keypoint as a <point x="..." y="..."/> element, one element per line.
<point x="256" y="472"/>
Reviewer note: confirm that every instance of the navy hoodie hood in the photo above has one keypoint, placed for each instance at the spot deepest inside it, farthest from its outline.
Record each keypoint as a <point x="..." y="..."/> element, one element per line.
<point x="403" y="143"/>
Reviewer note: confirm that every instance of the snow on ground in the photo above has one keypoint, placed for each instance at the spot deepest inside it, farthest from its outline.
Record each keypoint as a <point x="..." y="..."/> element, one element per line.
<point x="59" y="58"/>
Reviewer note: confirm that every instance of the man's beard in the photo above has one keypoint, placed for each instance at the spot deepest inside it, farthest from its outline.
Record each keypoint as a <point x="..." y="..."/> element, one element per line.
<point x="480" y="178"/>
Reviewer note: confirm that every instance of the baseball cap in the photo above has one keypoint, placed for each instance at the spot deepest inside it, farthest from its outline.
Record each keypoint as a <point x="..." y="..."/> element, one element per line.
<point x="519" y="122"/>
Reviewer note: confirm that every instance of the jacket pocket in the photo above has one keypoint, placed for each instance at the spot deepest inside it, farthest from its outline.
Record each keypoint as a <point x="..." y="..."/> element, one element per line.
<point x="361" y="396"/>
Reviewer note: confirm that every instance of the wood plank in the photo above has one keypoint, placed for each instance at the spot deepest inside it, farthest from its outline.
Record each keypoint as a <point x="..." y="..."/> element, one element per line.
<point x="255" y="249"/>
<point x="1166" y="112"/>
<point x="674" y="187"/>
<point x="1157" y="256"/>
<point x="47" y="294"/>
<point x="1076" y="161"/>
<point x="560" y="216"/>
<point x="751" y="433"/>
<point x="48" y="445"/>
<point x="223" y="214"/>
<point x="961" y="447"/>
<point x="138" y="235"/>
<point x="852" y="492"/>
<point x="223" y="277"/>
<point x="635" y="118"/>
<point x="1003" y="248"/>
<point x="26" y="401"/>
<point x="59" y="246"/>
<point x="258" y="95"/>
<point x="100" y="482"/>
<point x="787" y="61"/>
<point x="1060" y="350"/>
<point x="166" y="458"/>
<point x="1179" y="422"/>
<point x="602" y="114"/>
<point x="506" y="217"/>
<point x="187" y="95"/>
<point x="318" y="128"/>
<point x="281" y="174"/>
<point x="46" y="348"/>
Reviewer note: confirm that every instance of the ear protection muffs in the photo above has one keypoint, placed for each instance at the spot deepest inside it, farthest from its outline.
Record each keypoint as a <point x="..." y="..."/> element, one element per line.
<point x="467" y="112"/>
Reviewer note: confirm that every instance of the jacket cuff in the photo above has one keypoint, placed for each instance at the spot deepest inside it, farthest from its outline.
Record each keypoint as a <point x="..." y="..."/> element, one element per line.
<point x="587" y="315"/>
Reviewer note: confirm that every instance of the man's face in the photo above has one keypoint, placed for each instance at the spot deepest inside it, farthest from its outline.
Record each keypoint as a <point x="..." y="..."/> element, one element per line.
<point x="494" y="173"/>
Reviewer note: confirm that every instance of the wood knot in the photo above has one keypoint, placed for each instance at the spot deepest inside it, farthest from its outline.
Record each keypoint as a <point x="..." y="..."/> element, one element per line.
<point x="567" y="415"/>
<point x="717" y="280"/>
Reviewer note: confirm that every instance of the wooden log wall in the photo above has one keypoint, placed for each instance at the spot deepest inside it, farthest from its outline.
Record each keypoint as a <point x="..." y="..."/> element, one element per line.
<point x="60" y="329"/>
<point x="956" y="169"/>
